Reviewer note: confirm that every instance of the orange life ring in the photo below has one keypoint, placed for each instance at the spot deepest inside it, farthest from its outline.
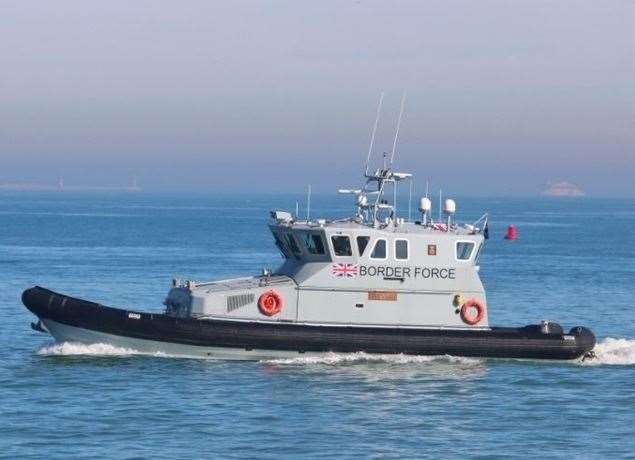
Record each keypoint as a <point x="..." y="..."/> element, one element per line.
<point x="270" y="303"/>
<point x="466" y="309"/>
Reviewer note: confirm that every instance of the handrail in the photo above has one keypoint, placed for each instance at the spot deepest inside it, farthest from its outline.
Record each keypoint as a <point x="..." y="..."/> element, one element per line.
<point x="484" y="218"/>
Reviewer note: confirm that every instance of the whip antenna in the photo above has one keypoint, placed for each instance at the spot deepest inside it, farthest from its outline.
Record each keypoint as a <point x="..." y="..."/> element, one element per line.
<point x="394" y="144"/>
<point x="410" y="201"/>
<point x="372" y="137"/>
<point x="308" y="203"/>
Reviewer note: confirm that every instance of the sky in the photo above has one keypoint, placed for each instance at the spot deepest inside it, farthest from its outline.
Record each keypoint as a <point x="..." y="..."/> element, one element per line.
<point x="501" y="96"/>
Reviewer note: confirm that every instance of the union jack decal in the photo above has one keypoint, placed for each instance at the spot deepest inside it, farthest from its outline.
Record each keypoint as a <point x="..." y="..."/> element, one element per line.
<point x="344" y="270"/>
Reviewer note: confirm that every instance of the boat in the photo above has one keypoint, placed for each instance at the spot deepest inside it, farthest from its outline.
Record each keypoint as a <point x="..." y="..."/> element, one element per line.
<point x="373" y="282"/>
<point x="563" y="189"/>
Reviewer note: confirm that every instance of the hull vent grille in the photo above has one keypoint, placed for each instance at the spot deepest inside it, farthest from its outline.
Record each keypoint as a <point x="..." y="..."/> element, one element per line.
<point x="239" y="300"/>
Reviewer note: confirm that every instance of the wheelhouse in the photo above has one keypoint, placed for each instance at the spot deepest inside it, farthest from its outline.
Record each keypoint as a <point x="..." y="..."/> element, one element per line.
<point x="303" y="243"/>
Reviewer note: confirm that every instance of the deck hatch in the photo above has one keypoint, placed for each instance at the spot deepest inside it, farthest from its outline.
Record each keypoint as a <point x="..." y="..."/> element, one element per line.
<point x="239" y="300"/>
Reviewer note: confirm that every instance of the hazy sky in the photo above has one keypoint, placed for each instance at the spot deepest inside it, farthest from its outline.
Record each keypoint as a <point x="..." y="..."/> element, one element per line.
<point x="502" y="96"/>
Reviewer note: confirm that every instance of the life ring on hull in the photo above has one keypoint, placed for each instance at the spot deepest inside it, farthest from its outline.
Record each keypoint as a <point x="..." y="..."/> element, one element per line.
<point x="270" y="303"/>
<point x="466" y="312"/>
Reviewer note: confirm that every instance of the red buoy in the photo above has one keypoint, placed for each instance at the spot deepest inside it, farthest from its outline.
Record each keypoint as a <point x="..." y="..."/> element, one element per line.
<point x="511" y="233"/>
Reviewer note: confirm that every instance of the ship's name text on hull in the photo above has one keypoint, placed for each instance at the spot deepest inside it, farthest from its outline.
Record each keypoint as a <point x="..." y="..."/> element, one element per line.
<point x="407" y="272"/>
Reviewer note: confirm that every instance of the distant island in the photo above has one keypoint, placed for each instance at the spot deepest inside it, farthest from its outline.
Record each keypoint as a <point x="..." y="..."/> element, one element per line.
<point x="60" y="187"/>
<point x="563" y="189"/>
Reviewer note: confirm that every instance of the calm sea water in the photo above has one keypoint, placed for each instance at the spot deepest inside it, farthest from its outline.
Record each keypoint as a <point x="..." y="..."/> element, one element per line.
<point x="574" y="263"/>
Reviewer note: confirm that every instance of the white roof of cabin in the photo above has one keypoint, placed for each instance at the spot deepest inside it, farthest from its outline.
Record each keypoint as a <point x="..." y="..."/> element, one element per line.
<point x="350" y="225"/>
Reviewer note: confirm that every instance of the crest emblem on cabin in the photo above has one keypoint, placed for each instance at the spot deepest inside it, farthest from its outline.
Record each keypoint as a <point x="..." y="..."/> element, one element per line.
<point x="344" y="270"/>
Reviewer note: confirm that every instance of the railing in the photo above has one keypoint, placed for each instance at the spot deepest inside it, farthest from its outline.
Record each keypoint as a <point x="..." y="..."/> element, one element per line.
<point x="481" y="220"/>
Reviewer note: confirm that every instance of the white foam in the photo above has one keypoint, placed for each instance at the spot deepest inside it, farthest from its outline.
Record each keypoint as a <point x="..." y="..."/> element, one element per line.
<point x="332" y="359"/>
<point x="104" y="349"/>
<point x="80" y="349"/>
<point x="613" y="351"/>
<point x="610" y="351"/>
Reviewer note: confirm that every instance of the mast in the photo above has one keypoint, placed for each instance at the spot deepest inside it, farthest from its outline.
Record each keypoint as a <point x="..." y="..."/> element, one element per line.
<point x="367" y="211"/>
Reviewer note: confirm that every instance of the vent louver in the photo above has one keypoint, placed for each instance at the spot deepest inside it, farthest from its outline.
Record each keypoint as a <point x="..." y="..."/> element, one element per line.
<point x="239" y="300"/>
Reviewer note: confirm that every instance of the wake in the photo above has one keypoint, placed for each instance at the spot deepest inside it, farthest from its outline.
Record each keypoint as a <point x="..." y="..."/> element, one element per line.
<point x="333" y="359"/>
<point x="80" y="349"/>
<point x="612" y="351"/>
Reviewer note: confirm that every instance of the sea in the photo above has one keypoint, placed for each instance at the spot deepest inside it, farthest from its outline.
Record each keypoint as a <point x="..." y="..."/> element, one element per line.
<point x="573" y="262"/>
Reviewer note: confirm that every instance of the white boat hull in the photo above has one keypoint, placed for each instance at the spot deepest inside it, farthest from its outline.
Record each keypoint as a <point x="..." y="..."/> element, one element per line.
<point x="65" y="333"/>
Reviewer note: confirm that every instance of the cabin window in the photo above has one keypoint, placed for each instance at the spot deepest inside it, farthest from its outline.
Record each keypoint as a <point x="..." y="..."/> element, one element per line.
<point x="313" y="243"/>
<point x="281" y="246"/>
<point x="379" y="251"/>
<point x="478" y="254"/>
<point x="293" y="245"/>
<point x="341" y="246"/>
<point x="464" y="250"/>
<point x="401" y="249"/>
<point x="362" y="242"/>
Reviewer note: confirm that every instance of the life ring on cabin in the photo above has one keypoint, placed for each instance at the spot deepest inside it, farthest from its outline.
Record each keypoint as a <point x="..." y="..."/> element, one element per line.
<point x="270" y="303"/>
<point x="466" y="312"/>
